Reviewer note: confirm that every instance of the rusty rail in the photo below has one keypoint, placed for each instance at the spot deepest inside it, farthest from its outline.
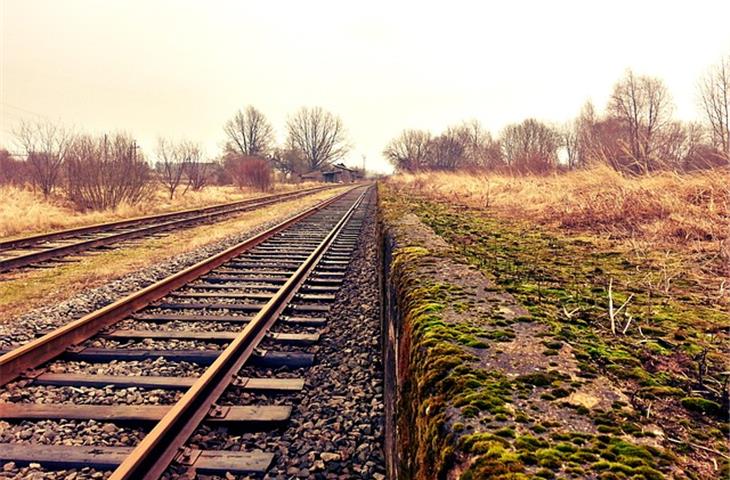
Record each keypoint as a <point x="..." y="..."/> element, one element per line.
<point x="33" y="354"/>
<point x="162" y="444"/>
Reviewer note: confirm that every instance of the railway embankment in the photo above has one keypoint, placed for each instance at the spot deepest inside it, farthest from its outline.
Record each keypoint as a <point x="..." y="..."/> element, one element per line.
<point x="488" y="378"/>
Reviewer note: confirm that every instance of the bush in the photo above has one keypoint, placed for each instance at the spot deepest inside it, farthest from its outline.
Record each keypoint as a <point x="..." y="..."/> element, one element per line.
<point x="12" y="170"/>
<point x="248" y="171"/>
<point x="103" y="172"/>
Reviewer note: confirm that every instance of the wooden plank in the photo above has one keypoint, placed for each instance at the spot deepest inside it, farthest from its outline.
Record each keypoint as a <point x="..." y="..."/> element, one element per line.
<point x="289" y="256"/>
<point x="233" y="286"/>
<point x="308" y="308"/>
<point x="271" y="384"/>
<point x="290" y="338"/>
<point x="307" y="321"/>
<point x="331" y="269"/>
<point x="254" y="271"/>
<point x="269" y="263"/>
<point x="108" y="458"/>
<point x="167" y="383"/>
<point x="326" y="274"/>
<point x="253" y="415"/>
<point x="295" y="338"/>
<point x="316" y="297"/>
<point x="237" y="278"/>
<point x="238" y="307"/>
<point x="173" y="334"/>
<point x="253" y="296"/>
<point x="271" y="359"/>
<point x="267" y="279"/>
<point x="268" y="358"/>
<point x="181" y="317"/>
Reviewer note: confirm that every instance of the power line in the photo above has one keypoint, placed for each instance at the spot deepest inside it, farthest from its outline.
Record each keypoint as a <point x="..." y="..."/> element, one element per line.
<point x="23" y="110"/>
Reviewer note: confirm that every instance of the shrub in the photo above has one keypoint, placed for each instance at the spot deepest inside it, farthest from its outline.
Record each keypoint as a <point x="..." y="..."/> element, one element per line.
<point x="103" y="172"/>
<point x="248" y="171"/>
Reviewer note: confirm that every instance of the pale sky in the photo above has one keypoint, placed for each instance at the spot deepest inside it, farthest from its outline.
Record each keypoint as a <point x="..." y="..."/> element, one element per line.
<point x="180" y="69"/>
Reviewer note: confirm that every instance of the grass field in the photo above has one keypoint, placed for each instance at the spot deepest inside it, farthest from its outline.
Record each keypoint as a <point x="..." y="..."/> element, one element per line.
<point x="24" y="212"/>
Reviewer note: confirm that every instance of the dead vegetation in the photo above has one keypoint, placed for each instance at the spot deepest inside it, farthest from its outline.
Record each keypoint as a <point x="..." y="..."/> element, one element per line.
<point x="661" y="212"/>
<point x="24" y="211"/>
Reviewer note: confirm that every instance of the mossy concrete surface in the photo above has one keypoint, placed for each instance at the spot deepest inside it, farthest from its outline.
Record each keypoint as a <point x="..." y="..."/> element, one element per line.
<point x="498" y="369"/>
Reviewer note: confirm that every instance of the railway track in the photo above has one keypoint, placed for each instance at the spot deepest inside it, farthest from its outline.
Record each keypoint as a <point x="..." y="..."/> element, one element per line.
<point x="37" y="249"/>
<point x="215" y="327"/>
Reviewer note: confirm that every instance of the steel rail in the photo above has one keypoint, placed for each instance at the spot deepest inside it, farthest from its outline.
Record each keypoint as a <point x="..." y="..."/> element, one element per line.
<point x="47" y="254"/>
<point x="162" y="444"/>
<point x="38" y="351"/>
<point x="106" y="226"/>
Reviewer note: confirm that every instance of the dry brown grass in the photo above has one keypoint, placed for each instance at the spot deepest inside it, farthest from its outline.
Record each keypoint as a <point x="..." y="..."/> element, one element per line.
<point x="20" y="292"/>
<point x="664" y="207"/>
<point x="689" y="213"/>
<point x="24" y="212"/>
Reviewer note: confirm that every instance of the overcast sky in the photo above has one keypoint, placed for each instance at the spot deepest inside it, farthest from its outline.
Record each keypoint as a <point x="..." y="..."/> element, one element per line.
<point x="181" y="68"/>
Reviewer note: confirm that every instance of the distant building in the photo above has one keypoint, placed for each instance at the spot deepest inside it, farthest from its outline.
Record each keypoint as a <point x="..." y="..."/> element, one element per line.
<point x="335" y="173"/>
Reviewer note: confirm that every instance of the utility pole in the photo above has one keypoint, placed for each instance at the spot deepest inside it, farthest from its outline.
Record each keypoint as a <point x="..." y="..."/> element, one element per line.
<point x="363" y="166"/>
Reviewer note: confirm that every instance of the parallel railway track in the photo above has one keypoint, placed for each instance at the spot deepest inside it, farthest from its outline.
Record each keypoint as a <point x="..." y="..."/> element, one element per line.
<point x="35" y="249"/>
<point x="257" y="305"/>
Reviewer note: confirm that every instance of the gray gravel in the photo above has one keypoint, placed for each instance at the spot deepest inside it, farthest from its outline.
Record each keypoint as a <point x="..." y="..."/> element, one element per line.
<point x="159" y="366"/>
<point x="17" y="393"/>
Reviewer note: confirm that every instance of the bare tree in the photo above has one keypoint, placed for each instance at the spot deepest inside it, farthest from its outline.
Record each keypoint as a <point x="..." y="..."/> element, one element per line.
<point x="644" y="105"/>
<point x="715" y="100"/>
<point x="289" y="161"/>
<point x="409" y="151"/>
<point x="197" y="169"/>
<point x="102" y="172"/>
<point x="319" y="135"/>
<point x="530" y="146"/>
<point x="480" y="149"/>
<point x="45" y="145"/>
<point x="172" y="163"/>
<point x="447" y="151"/>
<point x="587" y="148"/>
<point x="12" y="170"/>
<point x="569" y="143"/>
<point x="249" y="133"/>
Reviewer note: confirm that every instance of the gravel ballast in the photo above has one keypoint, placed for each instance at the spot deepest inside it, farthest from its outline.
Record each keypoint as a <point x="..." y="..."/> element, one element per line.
<point x="336" y="427"/>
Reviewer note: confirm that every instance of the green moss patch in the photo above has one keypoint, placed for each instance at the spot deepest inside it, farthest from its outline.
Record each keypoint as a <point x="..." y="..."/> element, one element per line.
<point x="469" y="405"/>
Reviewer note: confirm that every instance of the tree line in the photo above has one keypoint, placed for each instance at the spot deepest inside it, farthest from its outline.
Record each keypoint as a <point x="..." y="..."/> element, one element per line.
<point x="315" y="138"/>
<point x="103" y="171"/>
<point x="635" y="134"/>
